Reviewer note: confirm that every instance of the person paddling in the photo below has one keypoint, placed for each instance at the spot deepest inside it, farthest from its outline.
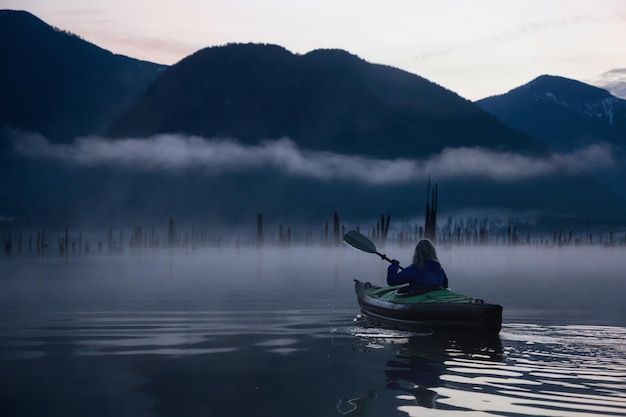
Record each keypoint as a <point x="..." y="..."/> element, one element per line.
<point x="423" y="275"/>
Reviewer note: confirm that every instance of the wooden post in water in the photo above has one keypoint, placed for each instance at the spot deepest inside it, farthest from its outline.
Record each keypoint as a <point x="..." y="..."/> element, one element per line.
<point x="120" y="246"/>
<point x="7" y="244"/>
<point x="110" y="239"/>
<point x="430" y="224"/>
<point x="382" y="229"/>
<point x="171" y="233"/>
<point x="336" y="235"/>
<point x="326" y="233"/>
<point x="259" y="230"/>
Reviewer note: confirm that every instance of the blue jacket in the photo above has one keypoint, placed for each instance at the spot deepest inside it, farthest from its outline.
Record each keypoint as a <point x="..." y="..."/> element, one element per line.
<point x="431" y="276"/>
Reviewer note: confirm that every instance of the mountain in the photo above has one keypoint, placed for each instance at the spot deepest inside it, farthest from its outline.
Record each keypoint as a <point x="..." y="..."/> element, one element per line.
<point x="334" y="107"/>
<point x="59" y="85"/>
<point x="568" y="115"/>
<point x="330" y="100"/>
<point x="564" y="113"/>
<point x="323" y="100"/>
<point x="613" y="81"/>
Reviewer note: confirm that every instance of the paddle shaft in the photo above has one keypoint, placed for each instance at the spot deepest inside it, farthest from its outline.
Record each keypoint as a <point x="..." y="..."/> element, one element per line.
<point x="385" y="258"/>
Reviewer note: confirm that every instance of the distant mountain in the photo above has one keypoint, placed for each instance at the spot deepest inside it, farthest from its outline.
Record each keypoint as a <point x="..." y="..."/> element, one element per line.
<point x="613" y="81"/>
<point x="59" y="85"/>
<point x="323" y="100"/>
<point x="564" y="113"/>
<point x="567" y="115"/>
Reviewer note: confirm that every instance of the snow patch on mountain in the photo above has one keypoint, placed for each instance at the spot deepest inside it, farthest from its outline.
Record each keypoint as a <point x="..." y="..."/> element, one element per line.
<point x="605" y="108"/>
<point x="607" y="104"/>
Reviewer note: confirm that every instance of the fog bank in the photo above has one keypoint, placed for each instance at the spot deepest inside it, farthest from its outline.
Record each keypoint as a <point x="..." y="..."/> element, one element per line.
<point x="170" y="152"/>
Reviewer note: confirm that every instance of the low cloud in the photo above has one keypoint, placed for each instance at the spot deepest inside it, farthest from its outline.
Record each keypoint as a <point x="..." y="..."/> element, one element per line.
<point x="614" y="81"/>
<point x="218" y="156"/>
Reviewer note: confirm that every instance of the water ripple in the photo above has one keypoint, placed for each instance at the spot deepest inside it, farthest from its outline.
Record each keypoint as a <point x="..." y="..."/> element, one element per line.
<point x="165" y="333"/>
<point x="545" y="371"/>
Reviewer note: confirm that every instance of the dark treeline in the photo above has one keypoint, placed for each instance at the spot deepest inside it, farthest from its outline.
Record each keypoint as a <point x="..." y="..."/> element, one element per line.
<point x="67" y="242"/>
<point x="471" y="231"/>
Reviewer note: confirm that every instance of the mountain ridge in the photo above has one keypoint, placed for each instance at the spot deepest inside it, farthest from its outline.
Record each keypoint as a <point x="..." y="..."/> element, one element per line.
<point x="561" y="112"/>
<point x="327" y="101"/>
<point x="60" y="85"/>
<point x="613" y="80"/>
<point x="323" y="100"/>
<point x="568" y="115"/>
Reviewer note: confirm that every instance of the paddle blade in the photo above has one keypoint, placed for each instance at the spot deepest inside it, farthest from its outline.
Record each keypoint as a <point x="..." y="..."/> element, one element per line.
<point x="358" y="241"/>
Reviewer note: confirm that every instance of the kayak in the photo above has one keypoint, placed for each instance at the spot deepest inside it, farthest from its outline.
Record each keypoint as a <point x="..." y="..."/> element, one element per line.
<point x="434" y="310"/>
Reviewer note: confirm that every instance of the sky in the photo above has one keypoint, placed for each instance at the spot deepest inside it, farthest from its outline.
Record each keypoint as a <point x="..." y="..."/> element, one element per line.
<point x="475" y="48"/>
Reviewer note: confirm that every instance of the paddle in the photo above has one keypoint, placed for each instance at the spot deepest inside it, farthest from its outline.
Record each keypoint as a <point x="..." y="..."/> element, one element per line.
<point x="360" y="242"/>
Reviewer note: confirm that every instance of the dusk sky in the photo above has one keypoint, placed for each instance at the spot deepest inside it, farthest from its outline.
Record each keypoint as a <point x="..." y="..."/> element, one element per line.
<point x="475" y="48"/>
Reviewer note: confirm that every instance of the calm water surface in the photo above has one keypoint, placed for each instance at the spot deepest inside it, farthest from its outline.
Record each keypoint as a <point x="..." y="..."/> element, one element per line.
<point x="277" y="332"/>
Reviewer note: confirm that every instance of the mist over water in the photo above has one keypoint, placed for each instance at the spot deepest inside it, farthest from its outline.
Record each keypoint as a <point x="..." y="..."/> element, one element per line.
<point x="575" y="283"/>
<point x="557" y="285"/>
<point x="170" y="153"/>
<point x="197" y="332"/>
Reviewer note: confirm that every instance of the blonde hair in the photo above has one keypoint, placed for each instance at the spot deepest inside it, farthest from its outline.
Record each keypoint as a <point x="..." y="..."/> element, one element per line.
<point x="424" y="250"/>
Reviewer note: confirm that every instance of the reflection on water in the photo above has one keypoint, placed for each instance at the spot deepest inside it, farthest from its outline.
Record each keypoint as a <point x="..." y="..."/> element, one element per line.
<point x="419" y="362"/>
<point x="204" y="361"/>
<point x="530" y="370"/>
<point x="132" y="340"/>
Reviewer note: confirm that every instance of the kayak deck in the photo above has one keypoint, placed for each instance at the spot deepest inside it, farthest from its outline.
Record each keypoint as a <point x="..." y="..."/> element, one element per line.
<point x="435" y="296"/>
<point x="438" y="309"/>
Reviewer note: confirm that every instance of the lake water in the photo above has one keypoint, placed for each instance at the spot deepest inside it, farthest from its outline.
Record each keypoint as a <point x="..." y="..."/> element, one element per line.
<point x="275" y="332"/>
